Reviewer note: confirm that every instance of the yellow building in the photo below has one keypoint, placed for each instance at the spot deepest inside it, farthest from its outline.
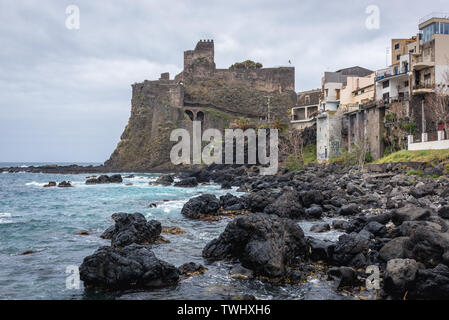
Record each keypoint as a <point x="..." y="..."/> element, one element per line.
<point x="358" y="90"/>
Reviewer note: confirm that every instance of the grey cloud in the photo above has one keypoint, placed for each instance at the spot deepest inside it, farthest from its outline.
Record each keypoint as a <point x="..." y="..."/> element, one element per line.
<point x="65" y="95"/>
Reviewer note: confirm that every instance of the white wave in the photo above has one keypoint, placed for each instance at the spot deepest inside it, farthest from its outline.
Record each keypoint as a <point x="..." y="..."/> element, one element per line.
<point x="5" y="215"/>
<point x="23" y="166"/>
<point x="36" y="184"/>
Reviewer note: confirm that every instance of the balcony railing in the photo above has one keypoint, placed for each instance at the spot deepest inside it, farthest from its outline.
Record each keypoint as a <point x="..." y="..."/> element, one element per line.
<point x="391" y="100"/>
<point x="389" y="72"/>
<point x="423" y="86"/>
<point x="440" y="15"/>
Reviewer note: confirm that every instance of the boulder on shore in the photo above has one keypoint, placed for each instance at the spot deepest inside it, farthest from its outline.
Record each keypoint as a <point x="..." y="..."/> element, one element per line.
<point x="131" y="267"/>
<point x="205" y="205"/>
<point x="132" y="228"/>
<point x="263" y="243"/>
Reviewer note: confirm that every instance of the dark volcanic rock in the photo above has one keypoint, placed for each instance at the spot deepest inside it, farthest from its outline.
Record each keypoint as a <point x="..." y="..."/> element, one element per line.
<point x="132" y="228"/>
<point x="259" y="200"/>
<point x="350" y="246"/>
<point x="314" y="212"/>
<point x="231" y="202"/>
<point x="133" y="266"/>
<point x="344" y="276"/>
<point x="320" y="249"/>
<point x="349" y="209"/>
<point x="164" y="180"/>
<point x="400" y="275"/>
<point x="320" y="227"/>
<point x="393" y="249"/>
<point x="410" y="213"/>
<point x="431" y="284"/>
<point x="263" y="243"/>
<point x="50" y="184"/>
<point x="187" y="183"/>
<point x="204" y="205"/>
<point x="65" y="184"/>
<point x="311" y="197"/>
<point x="116" y="178"/>
<point x="340" y="224"/>
<point x="443" y="212"/>
<point x="427" y="246"/>
<point x="191" y="269"/>
<point x="286" y="206"/>
<point x="376" y="228"/>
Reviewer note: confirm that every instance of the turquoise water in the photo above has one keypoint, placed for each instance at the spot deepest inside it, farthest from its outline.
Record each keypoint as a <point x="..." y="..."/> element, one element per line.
<point x="46" y="220"/>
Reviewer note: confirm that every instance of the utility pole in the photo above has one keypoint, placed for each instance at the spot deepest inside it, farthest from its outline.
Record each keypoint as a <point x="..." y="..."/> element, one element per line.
<point x="268" y="107"/>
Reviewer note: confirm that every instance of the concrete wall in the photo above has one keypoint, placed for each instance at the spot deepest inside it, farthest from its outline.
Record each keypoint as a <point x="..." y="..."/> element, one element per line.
<point x="430" y="145"/>
<point x="328" y="136"/>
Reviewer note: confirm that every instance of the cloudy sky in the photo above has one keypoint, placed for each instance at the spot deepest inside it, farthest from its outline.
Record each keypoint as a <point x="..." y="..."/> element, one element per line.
<point x="65" y="94"/>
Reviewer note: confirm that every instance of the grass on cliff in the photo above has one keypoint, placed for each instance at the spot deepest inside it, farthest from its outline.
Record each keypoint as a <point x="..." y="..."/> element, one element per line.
<point x="429" y="156"/>
<point x="297" y="163"/>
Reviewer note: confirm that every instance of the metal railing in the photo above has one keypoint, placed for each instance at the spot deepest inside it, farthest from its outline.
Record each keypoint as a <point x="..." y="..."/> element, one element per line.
<point x="424" y="86"/>
<point x="439" y="15"/>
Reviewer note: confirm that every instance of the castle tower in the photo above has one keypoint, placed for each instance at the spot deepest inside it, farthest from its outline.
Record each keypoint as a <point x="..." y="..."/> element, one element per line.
<point x="199" y="62"/>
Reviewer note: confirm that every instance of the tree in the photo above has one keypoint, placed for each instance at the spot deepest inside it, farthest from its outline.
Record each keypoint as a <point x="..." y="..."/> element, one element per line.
<point x="292" y="145"/>
<point x="242" y="123"/>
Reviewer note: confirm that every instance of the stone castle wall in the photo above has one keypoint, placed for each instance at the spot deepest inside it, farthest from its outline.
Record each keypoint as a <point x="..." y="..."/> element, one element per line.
<point x="199" y="92"/>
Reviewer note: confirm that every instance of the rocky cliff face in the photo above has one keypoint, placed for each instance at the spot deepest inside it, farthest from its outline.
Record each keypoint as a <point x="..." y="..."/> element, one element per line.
<point x="213" y="96"/>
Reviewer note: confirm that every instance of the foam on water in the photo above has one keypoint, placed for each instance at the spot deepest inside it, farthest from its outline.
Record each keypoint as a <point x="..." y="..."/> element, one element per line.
<point x="48" y="221"/>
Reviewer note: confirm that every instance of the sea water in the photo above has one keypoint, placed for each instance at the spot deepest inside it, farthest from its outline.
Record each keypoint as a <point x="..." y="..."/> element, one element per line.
<point x="47" y="220"/>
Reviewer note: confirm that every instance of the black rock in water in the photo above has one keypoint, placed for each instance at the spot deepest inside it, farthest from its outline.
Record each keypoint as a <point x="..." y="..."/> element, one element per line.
<point x="202" y="206"/>
<point x="65" y="184"/>
<point x="191" y="269"/>
<point x="187" y="183"/>
<point x="263" y="243"/>
<point x="134" y="266"/>
<point x="164" y="180"/>
<point x="132" y="228"/>
<point x="50" y="184"/>
<point x="103" y="179"/>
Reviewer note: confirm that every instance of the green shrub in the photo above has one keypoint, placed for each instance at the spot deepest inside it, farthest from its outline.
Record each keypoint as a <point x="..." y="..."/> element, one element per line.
<point x="293" y="163"/>
<point x="414" y="172"/>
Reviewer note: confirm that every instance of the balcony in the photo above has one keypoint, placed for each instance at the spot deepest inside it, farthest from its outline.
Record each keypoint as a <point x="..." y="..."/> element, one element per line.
<point x="423" y="62"/>
<point x="389" y="100"/>
<point x="423" y="88"/>
<point x="387" y="73"/>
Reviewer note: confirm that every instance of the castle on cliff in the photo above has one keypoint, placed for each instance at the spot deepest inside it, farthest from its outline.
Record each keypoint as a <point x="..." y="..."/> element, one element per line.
<point x="201" y="92"/>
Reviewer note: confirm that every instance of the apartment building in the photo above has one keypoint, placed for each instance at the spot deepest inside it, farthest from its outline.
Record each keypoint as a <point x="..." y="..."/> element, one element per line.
<point x="307" y="105"/>
<point x="333" y="84"/>
<point x="357" y="91"/>
<point x="429" y="72"/>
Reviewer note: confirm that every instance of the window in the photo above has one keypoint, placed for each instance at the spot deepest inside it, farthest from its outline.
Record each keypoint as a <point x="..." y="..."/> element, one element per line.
<point x="429" y="31"/>
<point x="386" y="84"/>
<point x="396" y="46"/>
<point x="427" y="79"/>
<point x="406" y="84"/>
<point x="444" y="28"/>
<point x="307" y="99"/>
<point x="398" y="57"/>
<point x="327" y="92"/>
<point x="337" y="92"/>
